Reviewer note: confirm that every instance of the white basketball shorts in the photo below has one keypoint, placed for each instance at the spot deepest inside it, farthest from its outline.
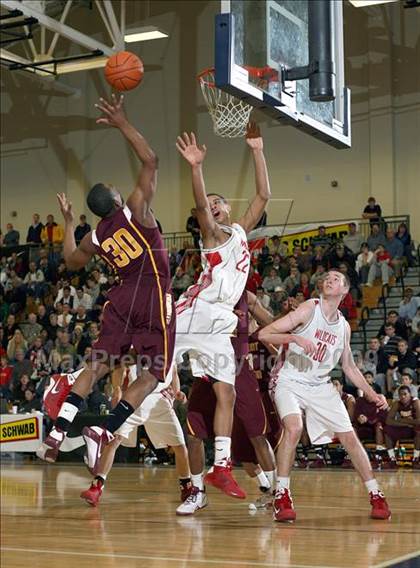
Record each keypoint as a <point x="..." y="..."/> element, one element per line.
<point x="204" y="330"/>
<point x="325" y="413"/>
<point x="160" y="421"/>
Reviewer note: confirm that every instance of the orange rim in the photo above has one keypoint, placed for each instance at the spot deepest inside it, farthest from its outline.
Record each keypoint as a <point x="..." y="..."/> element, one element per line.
<point x="264" y="73"/>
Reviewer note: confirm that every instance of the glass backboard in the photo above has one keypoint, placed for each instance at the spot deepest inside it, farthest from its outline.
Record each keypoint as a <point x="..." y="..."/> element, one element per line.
<point x="259" y="42"/>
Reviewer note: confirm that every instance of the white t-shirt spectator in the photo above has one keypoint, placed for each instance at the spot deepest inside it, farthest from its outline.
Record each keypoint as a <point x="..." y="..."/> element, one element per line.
<point x="408" y="310"/>
<point x="85" y="301"/>
<point x="364" y="261"/>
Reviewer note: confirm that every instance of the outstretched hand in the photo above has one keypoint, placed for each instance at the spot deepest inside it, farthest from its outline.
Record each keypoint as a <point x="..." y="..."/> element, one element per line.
<point x="113" y="112"/>
<point x="66" y="207"/>
<point x="190" y="150"/>
<point x="253" y="136"/>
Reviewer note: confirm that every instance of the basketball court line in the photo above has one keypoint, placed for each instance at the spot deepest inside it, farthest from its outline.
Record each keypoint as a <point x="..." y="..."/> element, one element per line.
<point x="398" y="559"/>
<point x="163" y="558"/>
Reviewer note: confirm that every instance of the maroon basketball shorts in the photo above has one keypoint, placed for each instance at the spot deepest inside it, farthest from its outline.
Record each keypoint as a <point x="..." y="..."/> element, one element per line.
<point x="201" y="408"/>
<point x="399" y="432"/>
<point x="254" y="416"/>
<point x="142" y="317"/>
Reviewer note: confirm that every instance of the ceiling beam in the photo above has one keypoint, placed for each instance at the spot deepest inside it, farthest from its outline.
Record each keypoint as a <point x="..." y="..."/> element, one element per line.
<point x="55" y="26"/>
<point x="119" y="38"/>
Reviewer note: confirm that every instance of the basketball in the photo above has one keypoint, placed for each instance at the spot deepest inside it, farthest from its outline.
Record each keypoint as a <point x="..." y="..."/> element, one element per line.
<point x="124" y="71"/>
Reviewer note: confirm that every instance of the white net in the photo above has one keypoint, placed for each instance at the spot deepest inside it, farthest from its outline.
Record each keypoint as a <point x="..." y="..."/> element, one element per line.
<point x="230" y="115"/>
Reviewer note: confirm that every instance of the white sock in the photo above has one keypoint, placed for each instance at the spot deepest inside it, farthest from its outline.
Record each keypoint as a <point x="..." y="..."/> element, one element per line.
<point x="198" y="480"/>
<point x="270" y="476"/>
<point x="416" y="454"/>
<point x="391" y="454"/>
<point x="372" y="486"/>
<point x="57" y="434"/>
<point x="262" y="480"/>
<point x="221" y="450"/>
<point x="283" y="483"/>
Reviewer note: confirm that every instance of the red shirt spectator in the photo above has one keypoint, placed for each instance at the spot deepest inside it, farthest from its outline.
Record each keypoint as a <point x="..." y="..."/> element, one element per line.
<point x="348" y="307"/>
<point x="254" y="280"/>
<point x="5" y="372"/>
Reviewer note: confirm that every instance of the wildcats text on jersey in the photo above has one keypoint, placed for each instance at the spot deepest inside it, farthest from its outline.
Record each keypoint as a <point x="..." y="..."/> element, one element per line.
<point x="325" y="336"/>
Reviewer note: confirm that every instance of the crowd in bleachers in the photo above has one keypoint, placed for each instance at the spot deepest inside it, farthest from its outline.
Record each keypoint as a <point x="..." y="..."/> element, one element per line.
<point x="50" y="317"/>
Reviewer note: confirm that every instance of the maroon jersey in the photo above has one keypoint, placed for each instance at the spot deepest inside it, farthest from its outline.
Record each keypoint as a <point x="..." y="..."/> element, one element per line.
<point x="133" y="250"/>
<point x="407" y="410"/>
<point x="262" y="361"/>
<point x="240" y="339"/>
<point x="139" y="311"/>
<point x="370" y="410"/>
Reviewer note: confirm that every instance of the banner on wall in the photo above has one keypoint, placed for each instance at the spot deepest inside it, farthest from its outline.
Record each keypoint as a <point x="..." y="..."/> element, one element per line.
<point x="20" y="432"/>
<point x="296" y="236"/>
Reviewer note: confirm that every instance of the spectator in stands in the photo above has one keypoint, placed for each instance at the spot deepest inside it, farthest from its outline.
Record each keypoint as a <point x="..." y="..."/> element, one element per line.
<point x="264" y="260"/>
<point x="338" y="255"/>
<point x="304" y="260"/>
<point x="319" y="273"/>
<point x="17" y="342"/>
<point x="82" y="229"/>
<point x="47" y="270"/>
<point x="30" y="403"/>
<point x="376" y="237"/>
<point x="38" y="357"/>
<point x="34" y="232"/>
<point x="395" y="249"/>
<point x="263" y="297"/>
<point x="15" y="262"/>
<point x="369" y="422"/>
<point x="11" y="237"/>
<point x="22" y="366"/>
<point x="92" y="288"/>
<point x="180" y="282"/>
<point x="415" y="322"/>
<point x="293" y="280"/>
<point x="80" y="319"/>
<point x="406" y="358"/>
<point x="64" y="347"/>
<point x="76" y="337"/>
<point x="6" y="371"/>
<point x="399" y="325"/>
<point x="364" y="262"/>
<point x="404" y="236"/>
<point x="64" y="318"/>
<point x="407" y="380"/>
<point x="82" y="299"/>
<point x="321" y="239"/>
<point x="353" y="240"/>
<point x="370" y="378"/>
<point x="193" y="227"/>
<point x="66" y="299"/>
<point x="304" y="287"/>
<point x="31" y="329"/>
<point x="403" y="423"/>
<point x="380" y="266"/>
<point x="9" y="329"/>
<point x="20" y="386"/>
<point x="275" y="246"/>
<point x="409" y="305"/>
<point x="318" y="286"/>
<point x="282" y="265"/>
<point x="277" y="300"/>
<point x="52" y="327"/>
<point x="318" y="258"/>
<point x="52" y="233"/>
<point x="272" y="281"/>
<point x="254" y="280"/>
<point x="62" y="284"/>
<point x="374" y="360"/>
<point x="372" y="211"/>
<point x="35" y="281"/>
<point x="348" y="307"/>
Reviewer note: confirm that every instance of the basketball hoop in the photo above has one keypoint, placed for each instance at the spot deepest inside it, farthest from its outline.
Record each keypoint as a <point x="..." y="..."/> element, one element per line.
<point x="230" y="115"/>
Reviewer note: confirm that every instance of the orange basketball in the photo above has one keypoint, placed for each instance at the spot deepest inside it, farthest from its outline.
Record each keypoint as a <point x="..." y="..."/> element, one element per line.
<point x="124" y="71"/>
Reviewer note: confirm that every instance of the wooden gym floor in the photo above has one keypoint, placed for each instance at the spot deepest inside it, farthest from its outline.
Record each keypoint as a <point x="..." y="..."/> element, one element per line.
<point x="45" y="523"/>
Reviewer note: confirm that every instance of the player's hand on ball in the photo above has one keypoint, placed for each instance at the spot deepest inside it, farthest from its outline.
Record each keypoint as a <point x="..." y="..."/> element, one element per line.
<point x="66" y="207"/>
<point x="113" y="112"/>
<point x="307" y="345"/>
<point x="253" y="136"/>
<point x="187" y="146"/>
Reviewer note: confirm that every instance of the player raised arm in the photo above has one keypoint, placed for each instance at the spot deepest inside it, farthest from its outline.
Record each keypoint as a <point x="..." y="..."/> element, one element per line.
<point x="278" y="332"/>
<point x="142" y="195"/>
<point x="195" y="154"/>
<point x="261" y="315"/>
<point x="258" y="204"/>
<point x="352" y="372"/>
<point x="75" y="257"/>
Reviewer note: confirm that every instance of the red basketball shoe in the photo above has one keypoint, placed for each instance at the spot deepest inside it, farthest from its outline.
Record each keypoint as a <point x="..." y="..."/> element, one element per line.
<point x="48" y="450"/>
<point x="380" y="509"/>
<point x="222" y="478"/>
<point x="56" y="393"/>
<point x="96" y="438"/>
<point x="283" y="507"/>
<point x="93" y="494"/>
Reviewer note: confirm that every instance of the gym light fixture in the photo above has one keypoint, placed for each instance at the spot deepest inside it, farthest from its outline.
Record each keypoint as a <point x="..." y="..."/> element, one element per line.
<point x="364" y="3"/>
<point x="144" y="33"/>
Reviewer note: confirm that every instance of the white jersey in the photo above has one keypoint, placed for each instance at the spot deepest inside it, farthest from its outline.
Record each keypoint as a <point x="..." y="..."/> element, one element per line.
<point x="329" y="338"/>
<point x="225" y="272"/>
